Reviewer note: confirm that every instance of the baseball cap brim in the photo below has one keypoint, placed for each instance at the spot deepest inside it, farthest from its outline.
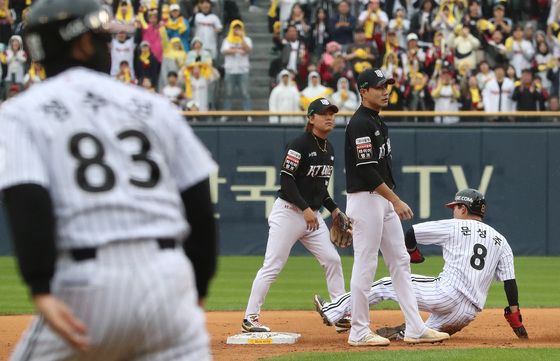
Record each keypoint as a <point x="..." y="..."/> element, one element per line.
<point x="318" y="107"/>
<point x="452" y="204"/>
<point x="389" y="81"/>
<point x="322" y="110"/>
<point x="331" y="107"/>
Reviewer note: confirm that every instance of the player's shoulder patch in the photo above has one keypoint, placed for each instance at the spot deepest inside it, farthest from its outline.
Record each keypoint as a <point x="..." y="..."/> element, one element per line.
<point x="294" y="154"/>
<point x="364" y="148"/>
<point x="291" y="162"/>
<point x="363" y="140"/>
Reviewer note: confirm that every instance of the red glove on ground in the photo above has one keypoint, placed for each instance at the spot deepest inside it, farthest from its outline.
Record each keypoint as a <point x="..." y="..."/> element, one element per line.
<point x="516" y="322"/>
<point x="415" y="255"/>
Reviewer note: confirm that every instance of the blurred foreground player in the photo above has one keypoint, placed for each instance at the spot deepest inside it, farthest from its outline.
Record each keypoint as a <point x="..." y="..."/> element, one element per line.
<point x="106" y="189"/>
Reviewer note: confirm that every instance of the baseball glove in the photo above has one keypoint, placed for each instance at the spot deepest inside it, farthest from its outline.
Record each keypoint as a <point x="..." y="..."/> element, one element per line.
<point x="516" y="322"/>
<point x="341" y="231"/>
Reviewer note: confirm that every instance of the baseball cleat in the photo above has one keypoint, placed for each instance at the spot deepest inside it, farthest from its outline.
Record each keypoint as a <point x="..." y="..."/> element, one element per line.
<point x="318" y="301"/>
<point x="429" y="336"/>
<point x="392" y="333"/>
<point x="344" y="324"/>
<point x="252" y="324"/>
<point x="371" y="339"/>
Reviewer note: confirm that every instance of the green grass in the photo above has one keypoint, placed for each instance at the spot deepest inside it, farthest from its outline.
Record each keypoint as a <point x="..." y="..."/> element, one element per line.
<point x="532" y="354"/>
<point x="302" y="277"/>
<point x="13" y="293"/>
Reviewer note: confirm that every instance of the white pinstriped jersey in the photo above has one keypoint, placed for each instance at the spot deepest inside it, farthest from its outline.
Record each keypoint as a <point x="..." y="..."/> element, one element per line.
<point x="474" y="254"/>
<point x="113" y="157"/>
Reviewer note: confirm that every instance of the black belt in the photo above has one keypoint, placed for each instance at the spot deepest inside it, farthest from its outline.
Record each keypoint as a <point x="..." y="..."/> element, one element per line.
<point x="82" y="254"/>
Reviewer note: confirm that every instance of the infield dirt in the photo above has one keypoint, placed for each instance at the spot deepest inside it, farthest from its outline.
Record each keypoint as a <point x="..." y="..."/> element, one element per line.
<point x="490" y="329"/>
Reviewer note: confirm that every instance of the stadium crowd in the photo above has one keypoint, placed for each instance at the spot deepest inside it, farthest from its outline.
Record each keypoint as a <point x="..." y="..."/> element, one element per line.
<point x="445" y="55"/>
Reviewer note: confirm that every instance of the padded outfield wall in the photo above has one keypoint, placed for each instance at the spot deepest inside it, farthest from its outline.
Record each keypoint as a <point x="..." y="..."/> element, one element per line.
<point x="516" y="166"/>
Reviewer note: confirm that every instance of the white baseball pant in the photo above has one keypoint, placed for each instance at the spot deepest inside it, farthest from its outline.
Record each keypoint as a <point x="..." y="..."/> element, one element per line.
<point x="377" y="226"/>
<point x="449" y="310"/>
<point x="287" y="226"/>
<point x="138" y="302"/>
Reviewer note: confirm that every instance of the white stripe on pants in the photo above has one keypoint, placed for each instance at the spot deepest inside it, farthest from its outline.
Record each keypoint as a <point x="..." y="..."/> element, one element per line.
<point x="449" y="310"/>
<point x="287" y="225"/>
<point x="138" y="302"/>
<point x="376" y="226"/>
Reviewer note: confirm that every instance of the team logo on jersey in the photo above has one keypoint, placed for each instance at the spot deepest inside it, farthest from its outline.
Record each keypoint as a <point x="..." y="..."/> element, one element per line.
<point x="321" y="171"/>
<point x="377" y="133"/>
<point x="364" y="148"/>
<point x="291" y="163"/>
<point x="312" y="154"/>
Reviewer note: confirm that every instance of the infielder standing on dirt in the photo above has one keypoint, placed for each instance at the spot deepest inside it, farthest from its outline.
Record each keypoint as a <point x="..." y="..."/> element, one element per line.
<point x="102" y="183"/>
<point x="474" y="254"/>
<point x="374" y="210"/>
<point x="304" y="178"/>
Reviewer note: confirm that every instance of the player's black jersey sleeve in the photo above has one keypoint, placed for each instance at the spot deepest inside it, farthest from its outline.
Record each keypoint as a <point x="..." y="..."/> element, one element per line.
<point x="329" y="203"/>
<point x="308" y="161"/>
<point x="290" y="191"/>
<point x="202" y="244"/>
<point x="367" y="152"/>
<point x="32" y="222"/>
<point x="510" y="288"/>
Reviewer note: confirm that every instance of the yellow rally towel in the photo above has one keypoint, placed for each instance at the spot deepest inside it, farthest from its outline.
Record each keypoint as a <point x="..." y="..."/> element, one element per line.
<point x="361" y="66"/>
<point x="142" y="20"/>
<point x="125" y="76"/>
<point x="188" y="85"/>
<point x="394" y="98"/>
<point x="176" y="24"/>
<point x="145" y="57"/>
<point x="231" y="37"/>
<point x="484" y="25"/>
<point x="361" y="53"/>
<point x="32" y="72"/>
<point x="4" y="10"/>
<point x="173" y="53"/>
<point x="304" y="102"/>
<point x="509" y="44"/>
<point x="475" y="95"/>
<point x="277" y="27"/>
<point x="129" y="13"/>
<point x="272" y="11"/>
<point x="165" y="13"/>
<point x="369" y="24"/>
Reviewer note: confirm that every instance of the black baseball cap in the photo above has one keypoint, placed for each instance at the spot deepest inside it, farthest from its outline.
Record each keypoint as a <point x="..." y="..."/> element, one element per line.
<point x="320" y="106"/>
<point x="373" y="77"/>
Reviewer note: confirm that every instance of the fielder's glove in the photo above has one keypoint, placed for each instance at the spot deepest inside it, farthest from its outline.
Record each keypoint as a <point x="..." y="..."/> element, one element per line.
<point x="415" y="255"/>
<point x="341" y="231"/>
<point x="516" y="322"/>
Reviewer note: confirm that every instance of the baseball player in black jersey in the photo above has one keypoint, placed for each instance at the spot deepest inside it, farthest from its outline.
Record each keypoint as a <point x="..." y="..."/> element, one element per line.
<point x="375" y="209"/>
<point x="304" y="178"/>
<point x="107" y="190"/>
